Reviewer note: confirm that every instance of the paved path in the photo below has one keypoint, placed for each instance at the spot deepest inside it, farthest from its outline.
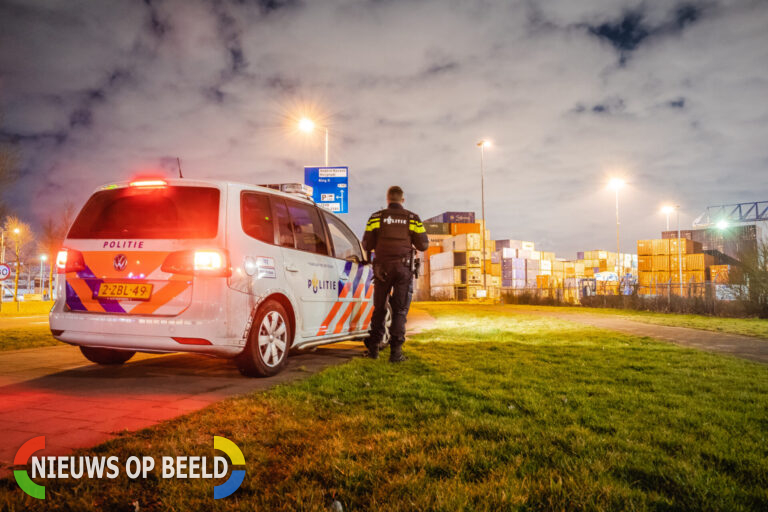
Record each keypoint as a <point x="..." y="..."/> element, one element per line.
<point x="54" y="391"/>
<point x="746" y="347"/>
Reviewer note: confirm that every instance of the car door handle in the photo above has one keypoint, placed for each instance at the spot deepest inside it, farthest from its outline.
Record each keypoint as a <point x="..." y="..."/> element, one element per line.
<point x="291" y="268"/>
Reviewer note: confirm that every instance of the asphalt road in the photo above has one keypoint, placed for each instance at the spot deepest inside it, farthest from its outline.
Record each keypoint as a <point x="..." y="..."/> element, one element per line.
<point x="56" y="392"/>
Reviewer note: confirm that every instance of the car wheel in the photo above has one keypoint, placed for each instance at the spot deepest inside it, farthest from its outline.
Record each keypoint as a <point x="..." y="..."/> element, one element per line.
<point x="387" y="325"/>
<point x="106" y="355"/>
<point x="266" y="351"/>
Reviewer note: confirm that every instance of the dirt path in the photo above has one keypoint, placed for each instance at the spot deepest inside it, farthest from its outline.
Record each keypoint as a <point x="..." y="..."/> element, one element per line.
<point x="746" y="347"/>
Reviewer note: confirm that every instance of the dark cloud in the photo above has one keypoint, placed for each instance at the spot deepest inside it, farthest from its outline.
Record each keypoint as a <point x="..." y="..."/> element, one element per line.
<point x="92" y="92"/>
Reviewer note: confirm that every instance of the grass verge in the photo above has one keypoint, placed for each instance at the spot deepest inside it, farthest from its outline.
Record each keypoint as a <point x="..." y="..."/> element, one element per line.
<point x="494" y="411"/>
<point x="747" y="326"/>
<point x="15" y="338"/>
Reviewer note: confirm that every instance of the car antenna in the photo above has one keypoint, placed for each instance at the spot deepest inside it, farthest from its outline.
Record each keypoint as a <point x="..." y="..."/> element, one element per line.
<point x="178" y="162"/>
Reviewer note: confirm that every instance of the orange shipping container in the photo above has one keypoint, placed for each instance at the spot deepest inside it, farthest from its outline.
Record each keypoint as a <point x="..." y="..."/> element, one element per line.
<point x="699" y="261"/>
<point x="644" y="263"/>
<point x="660" y="262"/>
<point x="542" y="281"/>
<point x="461" y="229"/>
<point x="660" y="246"/>
<point x="644" y="247"/>
<point x="695" y="276"/>
<point x="434" y="250"/>
<point x="686" y="246"/>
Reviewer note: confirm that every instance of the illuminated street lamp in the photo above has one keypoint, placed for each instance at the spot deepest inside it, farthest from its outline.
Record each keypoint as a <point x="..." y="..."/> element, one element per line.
<point x="482" y="144"/>
<point x="667" y="210"/>
<point x="616" y="184"/>
<point x="722" y="224"/>
<point x="307" y="125"/>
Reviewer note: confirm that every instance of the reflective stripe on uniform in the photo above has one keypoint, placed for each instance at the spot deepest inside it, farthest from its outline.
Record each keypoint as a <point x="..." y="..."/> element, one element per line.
<point x="373" y="224"/>
<point x="416" y="226"/>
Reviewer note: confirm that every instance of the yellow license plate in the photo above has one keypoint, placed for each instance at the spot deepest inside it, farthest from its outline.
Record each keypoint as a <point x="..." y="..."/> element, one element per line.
<point x="135" y="291"/>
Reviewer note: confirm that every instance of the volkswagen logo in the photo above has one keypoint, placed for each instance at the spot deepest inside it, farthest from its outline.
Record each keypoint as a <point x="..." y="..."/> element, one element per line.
<point x="120" y="262"/>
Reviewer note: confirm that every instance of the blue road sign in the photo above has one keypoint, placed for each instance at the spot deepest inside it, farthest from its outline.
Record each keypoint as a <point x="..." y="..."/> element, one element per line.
<point x="330" y="187"/>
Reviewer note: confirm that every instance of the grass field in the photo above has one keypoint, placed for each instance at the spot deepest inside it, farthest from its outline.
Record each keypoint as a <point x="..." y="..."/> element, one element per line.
<point x="494" y="411"/>
<point x="747" y="326"/>
<point x="26" y="337"/>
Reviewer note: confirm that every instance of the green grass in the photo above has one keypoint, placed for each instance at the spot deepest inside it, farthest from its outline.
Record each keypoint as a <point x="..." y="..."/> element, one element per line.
<point x="26" y="337"/>
<point x="23" y="308"/>
<point x="747" y="326"/>
<point x="494" y="411"/>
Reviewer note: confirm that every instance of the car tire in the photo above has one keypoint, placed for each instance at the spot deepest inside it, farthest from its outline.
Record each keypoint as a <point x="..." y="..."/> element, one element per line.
<point x="110" y="356"/>
<point x="387" y="325"/>
<point x="269" y="342"/>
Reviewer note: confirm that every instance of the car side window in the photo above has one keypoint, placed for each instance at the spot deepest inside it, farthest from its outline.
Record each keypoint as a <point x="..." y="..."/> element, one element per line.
<point x="256" y="217"/>
<point x="307" y="228"/>
<point x="345" y="243"/>
<point x="284" y="224"/>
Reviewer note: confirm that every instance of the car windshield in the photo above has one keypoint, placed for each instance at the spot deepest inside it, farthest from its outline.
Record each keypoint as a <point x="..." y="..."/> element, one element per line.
<point x="167" y="212"/>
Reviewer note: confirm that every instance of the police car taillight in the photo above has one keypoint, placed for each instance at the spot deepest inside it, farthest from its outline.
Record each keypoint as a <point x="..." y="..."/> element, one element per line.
<point x="69" y="260"/>
<point x="208" y="262"/>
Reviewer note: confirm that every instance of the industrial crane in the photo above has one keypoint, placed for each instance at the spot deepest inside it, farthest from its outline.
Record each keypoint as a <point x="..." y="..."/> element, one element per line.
<point x="755" y="211"/>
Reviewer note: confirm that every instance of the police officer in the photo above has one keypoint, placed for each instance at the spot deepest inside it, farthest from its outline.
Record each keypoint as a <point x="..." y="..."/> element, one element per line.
<point x="392" y="234"/>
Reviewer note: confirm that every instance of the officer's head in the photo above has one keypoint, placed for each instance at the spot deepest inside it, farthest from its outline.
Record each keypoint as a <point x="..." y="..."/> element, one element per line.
<point x="395" y="195"/>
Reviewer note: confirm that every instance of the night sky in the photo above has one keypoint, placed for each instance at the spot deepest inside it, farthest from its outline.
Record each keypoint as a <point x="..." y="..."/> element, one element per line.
<point x="672" y="96"/>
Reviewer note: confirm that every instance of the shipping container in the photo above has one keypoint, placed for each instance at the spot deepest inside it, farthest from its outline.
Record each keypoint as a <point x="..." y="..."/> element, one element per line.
<point x="724" y="274"/>
<point x="433" y="250"/>
<point x="547" y="255"/>
<point x="437" y="228"/>
<point x="448" y="277"/>
<point x="683" y="246"/>
<point x="645" y="247"/>
<point x="454" y="217"/>
<point x="660" y="246"/>
<point x="461" y="243"/>
<point x="442" y="261"/>
<point x="660" y="262"/>
<point x="645" y="263"/>
<point x="443" y="292"/>
<point x="695" y="276"/>
<point x="473" y="258"/>
<point x="460" y="229"/>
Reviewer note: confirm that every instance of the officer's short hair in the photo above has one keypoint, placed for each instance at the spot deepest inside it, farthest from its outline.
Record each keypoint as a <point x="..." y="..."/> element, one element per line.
<point x="394" y="194"/>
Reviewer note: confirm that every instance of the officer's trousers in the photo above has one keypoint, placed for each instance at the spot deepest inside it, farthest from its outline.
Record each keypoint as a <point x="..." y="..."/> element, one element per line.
<point x="393" y="278"/>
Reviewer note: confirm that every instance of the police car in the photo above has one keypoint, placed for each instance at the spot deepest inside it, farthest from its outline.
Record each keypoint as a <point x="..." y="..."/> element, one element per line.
<point x="211" y="267"/>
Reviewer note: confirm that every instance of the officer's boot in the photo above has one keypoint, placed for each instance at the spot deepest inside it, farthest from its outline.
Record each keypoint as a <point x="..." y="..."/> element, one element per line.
<point x="396" y="353"/>
<point x="371" y="353"/>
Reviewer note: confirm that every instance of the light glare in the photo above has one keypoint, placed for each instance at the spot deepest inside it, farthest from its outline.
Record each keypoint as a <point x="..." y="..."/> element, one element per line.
<point x="306" y="125"/>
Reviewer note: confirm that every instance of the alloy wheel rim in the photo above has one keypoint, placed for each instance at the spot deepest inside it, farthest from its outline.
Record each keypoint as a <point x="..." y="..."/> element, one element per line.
<point x="273" y="339"/>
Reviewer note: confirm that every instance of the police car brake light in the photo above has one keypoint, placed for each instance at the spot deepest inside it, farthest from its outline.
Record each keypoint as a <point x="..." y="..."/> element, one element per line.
<point x="148" y="183"/>
<point x="69" y="260"/>
<point x="208" y="262"/>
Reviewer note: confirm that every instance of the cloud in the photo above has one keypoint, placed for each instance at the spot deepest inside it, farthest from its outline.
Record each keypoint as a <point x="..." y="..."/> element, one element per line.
<point x="669" y="94"/>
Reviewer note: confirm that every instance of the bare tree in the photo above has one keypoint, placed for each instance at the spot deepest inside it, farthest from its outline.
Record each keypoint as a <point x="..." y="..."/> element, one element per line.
<point x="52" y="238"/>
<point x="19" y="237"/>
<point x="753" y="280"/>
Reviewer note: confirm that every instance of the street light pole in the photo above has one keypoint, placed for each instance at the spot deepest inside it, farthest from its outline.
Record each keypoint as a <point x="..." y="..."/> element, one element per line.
<point x="326" y="146"/>
<point x="616" y="184"/>
<point x="679" y="251"/>
<point x="482" y="145"/>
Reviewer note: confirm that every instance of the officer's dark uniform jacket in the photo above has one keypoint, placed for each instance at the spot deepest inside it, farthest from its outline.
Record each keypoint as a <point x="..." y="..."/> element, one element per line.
<point x="392" y="233"/>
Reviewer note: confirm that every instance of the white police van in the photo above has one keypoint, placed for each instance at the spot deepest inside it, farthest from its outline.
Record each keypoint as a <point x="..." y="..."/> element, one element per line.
<point x="212" y="267"/>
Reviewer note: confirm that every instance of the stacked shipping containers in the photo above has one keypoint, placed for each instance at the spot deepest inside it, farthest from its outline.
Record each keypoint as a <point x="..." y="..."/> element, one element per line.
<point x="659" y="263"/>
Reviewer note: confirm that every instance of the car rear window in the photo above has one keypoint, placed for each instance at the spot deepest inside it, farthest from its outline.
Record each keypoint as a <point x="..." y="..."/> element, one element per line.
<point x="161" y="212"/>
